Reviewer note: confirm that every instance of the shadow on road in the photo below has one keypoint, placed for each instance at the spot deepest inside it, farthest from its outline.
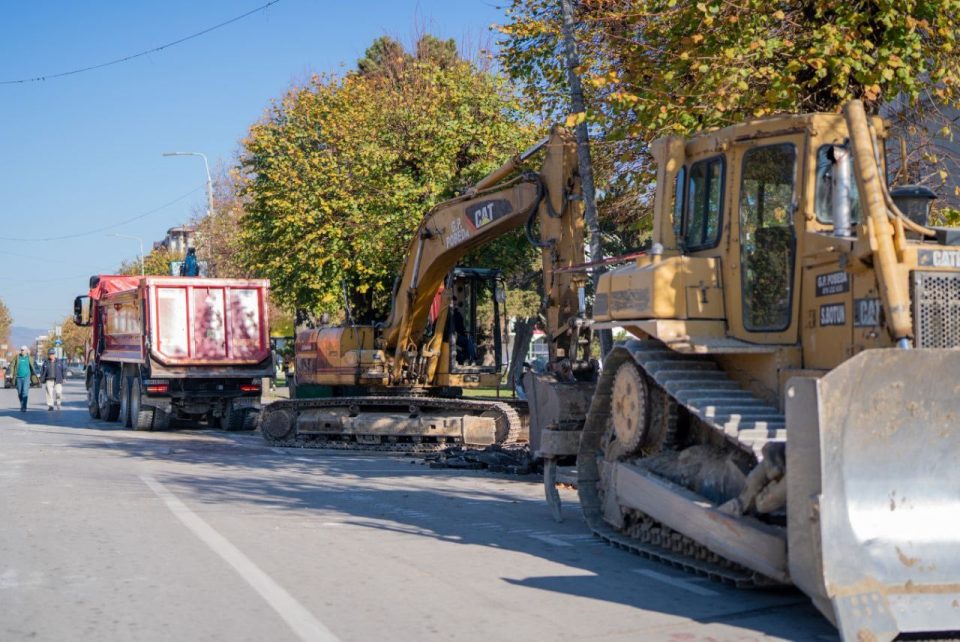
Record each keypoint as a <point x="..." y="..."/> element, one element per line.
<point x="400" y="495"/>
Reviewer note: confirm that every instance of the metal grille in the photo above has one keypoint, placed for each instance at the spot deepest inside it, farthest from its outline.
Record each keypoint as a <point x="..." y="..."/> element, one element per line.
<point x="936" y="309"/>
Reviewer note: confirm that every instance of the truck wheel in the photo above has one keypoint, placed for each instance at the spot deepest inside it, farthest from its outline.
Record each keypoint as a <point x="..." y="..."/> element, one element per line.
<point x="93" y="396"/>
<point x="109" y="411"/>
<point x="161" y="420"/>
<point x="235" y="419"/>
<point x="125" y="418"/>
<point x="251" y="419"/>
<point x="141" y="418"/>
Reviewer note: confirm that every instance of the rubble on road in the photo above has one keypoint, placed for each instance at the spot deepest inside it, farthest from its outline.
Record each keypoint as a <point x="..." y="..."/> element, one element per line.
<point x="510" y="459"/>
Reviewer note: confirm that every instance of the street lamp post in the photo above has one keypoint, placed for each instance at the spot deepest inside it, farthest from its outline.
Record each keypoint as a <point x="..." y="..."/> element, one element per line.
<point x="206" y="166"/>
<point x="140" y="241"/>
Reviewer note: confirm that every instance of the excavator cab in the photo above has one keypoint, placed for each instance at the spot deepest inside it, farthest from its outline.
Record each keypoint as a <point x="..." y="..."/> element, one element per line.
<point x="475" y="347"/>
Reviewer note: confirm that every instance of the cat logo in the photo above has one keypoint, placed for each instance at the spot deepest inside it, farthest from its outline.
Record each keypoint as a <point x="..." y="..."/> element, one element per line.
<point x="486" y="212"/>
<point x="938" y="258"/>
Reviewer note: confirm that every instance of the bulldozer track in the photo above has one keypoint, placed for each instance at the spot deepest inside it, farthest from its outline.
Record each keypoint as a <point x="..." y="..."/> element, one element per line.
<point x="419" y="444"/>
<point x="696" y="383"/>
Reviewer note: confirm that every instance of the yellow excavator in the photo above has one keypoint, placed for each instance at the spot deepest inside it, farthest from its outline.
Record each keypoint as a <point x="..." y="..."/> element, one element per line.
<point x="784" y="406"/>
<point x="398" y="385"/>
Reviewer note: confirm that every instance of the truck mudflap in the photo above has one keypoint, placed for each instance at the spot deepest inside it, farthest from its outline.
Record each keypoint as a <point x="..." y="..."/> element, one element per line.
<point x="873" y="473"/>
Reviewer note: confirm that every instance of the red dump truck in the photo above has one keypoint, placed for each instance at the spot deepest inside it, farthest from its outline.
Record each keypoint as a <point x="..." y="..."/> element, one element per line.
<point x="176" y="348"/>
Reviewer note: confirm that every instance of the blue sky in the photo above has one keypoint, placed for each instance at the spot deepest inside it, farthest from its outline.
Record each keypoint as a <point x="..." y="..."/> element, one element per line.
<point x="84" y="151"/>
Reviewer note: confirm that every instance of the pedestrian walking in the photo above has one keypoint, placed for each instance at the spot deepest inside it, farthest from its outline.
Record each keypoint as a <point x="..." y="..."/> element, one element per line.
<point x="23" y="373"/>
<point x="51" y="376"/>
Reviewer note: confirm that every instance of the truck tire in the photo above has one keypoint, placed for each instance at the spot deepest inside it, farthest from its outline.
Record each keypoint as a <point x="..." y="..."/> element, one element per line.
<point x="93" y="396"/>
<point x="161" y="420"/>
<point x="140" y="418"/>
<point x="109" y="411"/>
<point x="236" y="419"/>
<point x="125" y="418"/>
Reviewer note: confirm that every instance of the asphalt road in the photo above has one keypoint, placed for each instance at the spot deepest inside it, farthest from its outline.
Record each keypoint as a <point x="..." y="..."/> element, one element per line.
<point x="109" y="534"/>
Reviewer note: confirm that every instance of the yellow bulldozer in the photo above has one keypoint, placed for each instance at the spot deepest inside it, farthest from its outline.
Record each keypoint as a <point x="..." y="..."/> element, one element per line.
<point x="786" y="407"/>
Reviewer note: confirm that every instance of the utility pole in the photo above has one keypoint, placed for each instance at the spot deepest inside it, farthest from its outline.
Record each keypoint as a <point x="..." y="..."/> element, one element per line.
<point x="578" y="106"/>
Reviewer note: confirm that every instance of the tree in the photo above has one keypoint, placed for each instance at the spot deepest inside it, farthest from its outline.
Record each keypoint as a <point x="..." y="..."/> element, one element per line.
<point x="658" y="67"/>
<point x="217" y="237"/>
<point x="157" y="263"/>
<point x="385" y="57"/>
<point x="6" y="323"/>
<point x="74" y="337"/>
<point x="340" y="171"/>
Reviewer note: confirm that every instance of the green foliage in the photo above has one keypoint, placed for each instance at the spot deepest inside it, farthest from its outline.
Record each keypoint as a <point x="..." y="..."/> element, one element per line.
<point x="655" y="67"/>
<point x="520" y="303"/>
<point x="383" y="57"/>
<point x="217" y="237"/>
<point x="74" y="338"/>
<point x="665" y="66"/>
<point x="947" y="217"/>
<point x="157" y="263"/>
<point x="340" y="171"/>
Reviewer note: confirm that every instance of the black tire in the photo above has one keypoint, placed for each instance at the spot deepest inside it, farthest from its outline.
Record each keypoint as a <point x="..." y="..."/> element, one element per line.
<point x="109" y="411"/>
<point x="93" y="396"/>
<point x="125" y="402"/>
<point x="161" y="420"/>
<point x="140" y="418"/>
<point x="233" y="419"/>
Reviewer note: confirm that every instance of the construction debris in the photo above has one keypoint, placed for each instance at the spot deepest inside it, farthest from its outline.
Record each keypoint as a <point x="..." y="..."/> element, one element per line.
<point x="513" y="460"/>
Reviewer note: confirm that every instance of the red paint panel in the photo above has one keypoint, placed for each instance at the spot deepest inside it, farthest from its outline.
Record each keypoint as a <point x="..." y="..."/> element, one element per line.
<point x="209" y="324"/>
<point x="171" y="322"/>
<point x="246" y="322"/>
<point x="208" y="321"/>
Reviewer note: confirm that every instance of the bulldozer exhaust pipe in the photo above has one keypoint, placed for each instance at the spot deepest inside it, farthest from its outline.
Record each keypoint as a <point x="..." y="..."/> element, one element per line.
<point x="893" y="287"/>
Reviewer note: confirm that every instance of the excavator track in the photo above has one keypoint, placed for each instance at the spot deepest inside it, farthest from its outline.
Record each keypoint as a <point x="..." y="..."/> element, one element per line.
<point x="279" y="420"/>
<point x="696" y="383"/>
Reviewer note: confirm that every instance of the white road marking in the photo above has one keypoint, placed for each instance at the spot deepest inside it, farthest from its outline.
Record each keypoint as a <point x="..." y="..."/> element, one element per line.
<point x="549" y="539"/>
<point x="297" y="617"/>
<point x="673" y="581"/>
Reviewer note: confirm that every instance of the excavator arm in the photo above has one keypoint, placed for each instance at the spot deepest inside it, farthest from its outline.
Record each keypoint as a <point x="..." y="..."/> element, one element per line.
<point x="493" y="207"/>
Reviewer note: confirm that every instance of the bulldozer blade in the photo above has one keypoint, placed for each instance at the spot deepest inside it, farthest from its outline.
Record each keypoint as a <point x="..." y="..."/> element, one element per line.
<point x="873" y="473"/>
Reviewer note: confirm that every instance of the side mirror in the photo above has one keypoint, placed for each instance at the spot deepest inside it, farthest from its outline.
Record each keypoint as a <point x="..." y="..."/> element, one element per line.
<point x="82" y="311"/>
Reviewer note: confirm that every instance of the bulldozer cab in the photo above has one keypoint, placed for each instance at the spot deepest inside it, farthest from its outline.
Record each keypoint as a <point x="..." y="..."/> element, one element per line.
<point x="735" y="215"/>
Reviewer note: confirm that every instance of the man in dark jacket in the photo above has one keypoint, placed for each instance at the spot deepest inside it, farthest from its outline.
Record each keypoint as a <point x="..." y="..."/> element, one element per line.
<point x="22" y="371"/>
<point x="51" y="376"/>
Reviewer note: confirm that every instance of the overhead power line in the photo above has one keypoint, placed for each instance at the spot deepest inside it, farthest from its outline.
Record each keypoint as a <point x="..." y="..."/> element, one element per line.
<point x="98" y="230"/>
<point x="61" y="74"/>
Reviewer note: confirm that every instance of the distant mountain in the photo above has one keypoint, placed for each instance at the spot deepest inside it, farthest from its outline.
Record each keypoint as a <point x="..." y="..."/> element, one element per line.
<point x="20" y="336"/>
